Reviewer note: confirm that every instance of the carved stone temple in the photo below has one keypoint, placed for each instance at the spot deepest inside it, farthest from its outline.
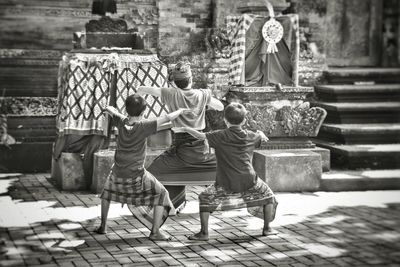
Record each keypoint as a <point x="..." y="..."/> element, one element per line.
<point x="328" y="99"/>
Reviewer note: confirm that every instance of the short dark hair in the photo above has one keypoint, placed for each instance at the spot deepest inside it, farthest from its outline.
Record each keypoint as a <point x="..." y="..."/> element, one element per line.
<point x="184" y="83"/>
<point x="235" y="113"/>
<point x="135" y="105"/>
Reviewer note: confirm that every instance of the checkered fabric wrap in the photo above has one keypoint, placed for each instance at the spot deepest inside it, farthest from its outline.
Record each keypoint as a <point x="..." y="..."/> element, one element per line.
<point x="141" y="194"/>
<point x="83" y="92"/>
<point x="129" y="78"/>
<point x="215" y="198"/>
<point x="84" y="82"/>
<point x="236" y="29"/>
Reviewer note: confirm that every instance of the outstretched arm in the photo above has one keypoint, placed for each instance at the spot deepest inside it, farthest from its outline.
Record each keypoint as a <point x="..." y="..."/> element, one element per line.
<point x="194" y="133"/>
<point x="170" y="117"/>
<point x="154" y="91"/>
<point x="114" y="112"/>
<point x="216" y="104"/>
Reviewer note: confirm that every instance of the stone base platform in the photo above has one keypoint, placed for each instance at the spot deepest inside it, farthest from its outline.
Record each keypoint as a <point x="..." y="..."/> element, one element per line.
<point x="291" y="170"/>
<point x="67" y="172"/>
<point x="325" y="157"/>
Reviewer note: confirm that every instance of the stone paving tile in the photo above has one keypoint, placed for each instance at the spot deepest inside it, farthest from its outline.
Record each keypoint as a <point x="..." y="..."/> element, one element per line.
<point x="41" y="226"/>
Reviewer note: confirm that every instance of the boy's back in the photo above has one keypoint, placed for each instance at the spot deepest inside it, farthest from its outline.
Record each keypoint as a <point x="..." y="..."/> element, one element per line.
<point x="234" y="149"/>
<point x="131" y="147"/>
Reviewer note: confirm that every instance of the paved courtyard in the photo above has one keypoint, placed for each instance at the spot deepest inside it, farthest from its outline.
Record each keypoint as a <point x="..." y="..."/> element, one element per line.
<point x="39" y="225"/>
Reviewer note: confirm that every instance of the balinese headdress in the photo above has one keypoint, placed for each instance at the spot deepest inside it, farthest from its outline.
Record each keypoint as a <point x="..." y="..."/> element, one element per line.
<point x="181" y="71"/>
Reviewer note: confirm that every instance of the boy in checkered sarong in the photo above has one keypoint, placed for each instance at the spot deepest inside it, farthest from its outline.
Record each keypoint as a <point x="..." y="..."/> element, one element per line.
<point x="237" y="184"/>
<point x="129" y="182"/>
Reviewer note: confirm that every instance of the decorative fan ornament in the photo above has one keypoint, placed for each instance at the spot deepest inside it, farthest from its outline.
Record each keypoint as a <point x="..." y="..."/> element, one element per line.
<point x="272" y="33"/>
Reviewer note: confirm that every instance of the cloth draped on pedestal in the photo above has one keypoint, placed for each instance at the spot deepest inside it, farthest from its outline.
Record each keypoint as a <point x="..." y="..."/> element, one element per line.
<point x="141" y="194"/>
<point x="250" y="64"/>
<point x="186" y="155"/>
<point x="85" y="83"/>
<point x="215" y="198"/>
<point x="262" y="68"/>
<point x="83" y="144"/>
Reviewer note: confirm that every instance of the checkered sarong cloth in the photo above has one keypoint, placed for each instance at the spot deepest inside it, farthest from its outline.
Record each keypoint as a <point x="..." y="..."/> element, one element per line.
<point x="215" y="198"/>
<point x="141" y="194"/>
<point x="237" y="27"/>
<point x="84" y="83"/>
<point x="83" y="91"/>
<point x="131" y="76"/>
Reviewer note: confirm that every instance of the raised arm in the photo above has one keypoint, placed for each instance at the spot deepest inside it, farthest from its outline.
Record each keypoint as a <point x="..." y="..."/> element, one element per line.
<point x="216" y="104"/>
<point x="154" y="91"/>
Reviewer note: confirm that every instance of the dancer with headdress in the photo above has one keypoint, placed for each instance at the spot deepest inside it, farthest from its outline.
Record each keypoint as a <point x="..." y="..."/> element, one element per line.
<point x="187" y="154"/>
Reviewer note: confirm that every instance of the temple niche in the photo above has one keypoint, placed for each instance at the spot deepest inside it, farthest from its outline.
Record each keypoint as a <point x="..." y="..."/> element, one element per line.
<point x="267" y="83"/>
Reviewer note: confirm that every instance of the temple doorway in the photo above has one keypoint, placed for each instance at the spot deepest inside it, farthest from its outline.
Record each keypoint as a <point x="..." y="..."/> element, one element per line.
<point x="354" y="33"/>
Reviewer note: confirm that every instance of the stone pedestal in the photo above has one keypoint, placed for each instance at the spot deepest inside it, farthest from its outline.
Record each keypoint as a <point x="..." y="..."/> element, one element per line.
<point x="289" y="170"/>
<point x="68" y="173"/>
<point x="103" y="161"/>
<point x="325" y="157"/>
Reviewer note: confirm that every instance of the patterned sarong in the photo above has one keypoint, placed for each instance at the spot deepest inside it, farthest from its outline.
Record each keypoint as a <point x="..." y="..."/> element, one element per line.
<point x="187" y="156"/>
<point x="215" y="198"/>
<point x="141" y="194"/>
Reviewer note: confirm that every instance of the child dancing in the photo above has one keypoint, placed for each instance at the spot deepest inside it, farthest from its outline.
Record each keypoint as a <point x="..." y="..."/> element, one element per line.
<point x="237" y="184"/>
<point x="129" y="182"/>
<point x="186" y="154"/>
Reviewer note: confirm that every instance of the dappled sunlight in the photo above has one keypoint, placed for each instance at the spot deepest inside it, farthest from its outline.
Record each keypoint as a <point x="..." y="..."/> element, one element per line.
<point x="312" y="229"/>
<point x="290" y="210"/>
<point x="389" y="236"/>
<point x="323" y="250"/>
<point x="22" y="214"/>
<point x="331" y="220"/>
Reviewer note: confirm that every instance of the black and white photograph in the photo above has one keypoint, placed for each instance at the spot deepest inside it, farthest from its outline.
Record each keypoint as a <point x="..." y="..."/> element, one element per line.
<point x="199" y="133"/>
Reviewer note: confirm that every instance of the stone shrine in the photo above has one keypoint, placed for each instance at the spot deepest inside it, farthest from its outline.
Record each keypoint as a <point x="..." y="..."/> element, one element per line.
<point x="280" y="109"/>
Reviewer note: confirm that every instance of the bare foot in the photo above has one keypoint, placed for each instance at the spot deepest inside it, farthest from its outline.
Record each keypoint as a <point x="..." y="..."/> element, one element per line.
<point x="100" y="230"/>
<point x="268" y="231"/>
<point x="159" y="237"/>
<point x="199" y="237"/>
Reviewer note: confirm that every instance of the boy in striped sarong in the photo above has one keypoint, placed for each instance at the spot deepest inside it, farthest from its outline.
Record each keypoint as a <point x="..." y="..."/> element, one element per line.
<point x="237" y="184"/>
<point x="129" y="182"/>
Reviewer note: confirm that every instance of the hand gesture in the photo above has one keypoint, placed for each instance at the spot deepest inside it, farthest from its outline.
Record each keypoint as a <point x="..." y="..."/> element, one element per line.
<point x="263" y="136"/>
<point x="185" y="111"/>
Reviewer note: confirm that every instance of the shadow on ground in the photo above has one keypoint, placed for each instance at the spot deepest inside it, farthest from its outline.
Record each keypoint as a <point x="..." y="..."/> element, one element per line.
<point x="39" y="225"/>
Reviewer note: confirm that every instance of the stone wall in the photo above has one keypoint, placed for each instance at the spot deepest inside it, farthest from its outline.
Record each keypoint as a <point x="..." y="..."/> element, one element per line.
<point x="35" y="34"/>
<point x="312" y="21"/>
<point x="182" y="31"/>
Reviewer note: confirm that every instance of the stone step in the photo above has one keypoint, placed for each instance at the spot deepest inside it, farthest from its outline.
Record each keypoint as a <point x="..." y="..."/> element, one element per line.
<point x="356" y="112"/>
<point x="358" y="133"/>
<point x="360" y="180"/>
<point x="351" y="75"/>
<point x="358" y="93"/>
<point x="366" y="156"/>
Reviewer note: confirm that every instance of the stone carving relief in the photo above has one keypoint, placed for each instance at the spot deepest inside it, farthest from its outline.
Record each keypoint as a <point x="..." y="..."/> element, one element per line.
<point x="217" y="43"/>
<point x="286" y="121"/>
